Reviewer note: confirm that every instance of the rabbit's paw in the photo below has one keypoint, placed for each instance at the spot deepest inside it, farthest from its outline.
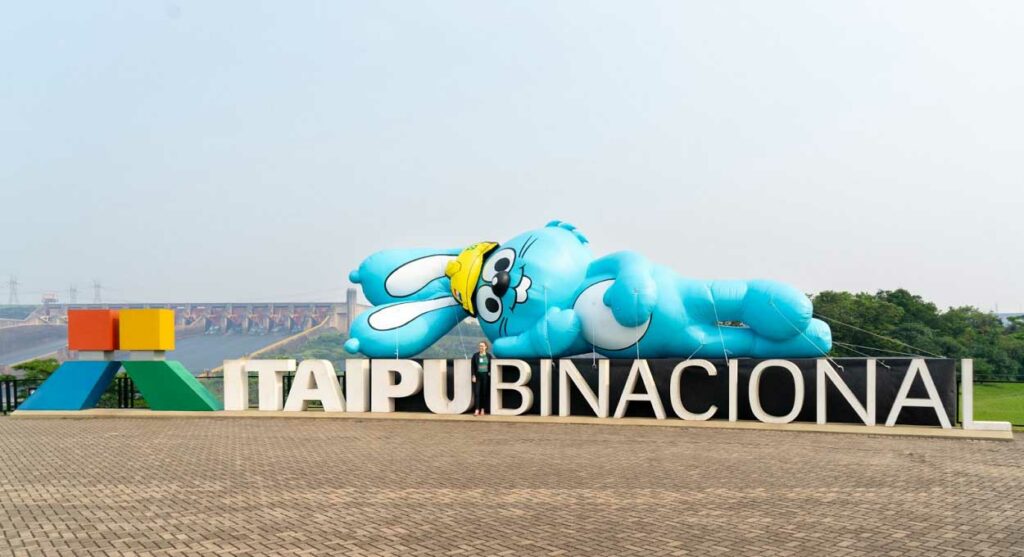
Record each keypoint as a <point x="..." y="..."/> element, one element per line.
<point x="556" y="334"/>
<point x="631" y="299"/>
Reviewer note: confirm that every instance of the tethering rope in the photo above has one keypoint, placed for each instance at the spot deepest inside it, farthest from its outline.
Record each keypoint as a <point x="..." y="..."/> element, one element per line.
<point x="636" y="318"/>
<point x="547" y="331"/>
<point x="593" y="354"/>
<point x="859" y="353"/>
<point x="718" y="323"/>
<point x="875" y="348"/>
<point x="462" y="341"/>
<point x="695" y="350"/>
<point x="838" y="322"/>
<point x="824" y="354"/>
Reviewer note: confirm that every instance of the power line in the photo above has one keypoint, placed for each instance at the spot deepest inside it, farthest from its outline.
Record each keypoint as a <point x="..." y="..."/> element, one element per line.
<point x="12" y="295"/>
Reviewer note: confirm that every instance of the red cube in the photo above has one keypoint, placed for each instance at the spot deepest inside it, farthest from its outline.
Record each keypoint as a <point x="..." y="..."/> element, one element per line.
<point x="92" y="329"/>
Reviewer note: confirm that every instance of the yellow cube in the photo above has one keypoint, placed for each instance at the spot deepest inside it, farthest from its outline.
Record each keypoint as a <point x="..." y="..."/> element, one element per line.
<point x="147" y="329"/>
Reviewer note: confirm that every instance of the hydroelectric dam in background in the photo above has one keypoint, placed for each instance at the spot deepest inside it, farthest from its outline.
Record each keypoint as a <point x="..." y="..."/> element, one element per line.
<point x="207" y="333"/>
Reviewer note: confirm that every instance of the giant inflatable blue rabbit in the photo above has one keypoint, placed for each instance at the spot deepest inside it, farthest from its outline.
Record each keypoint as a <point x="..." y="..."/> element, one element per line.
<point x="542" y="294"/>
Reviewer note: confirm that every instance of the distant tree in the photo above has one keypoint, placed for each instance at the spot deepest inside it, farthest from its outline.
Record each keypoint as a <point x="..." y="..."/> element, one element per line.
<point x="1016" y="323"/>
<point x="915" y="308"/>
<point x="109" y="398"/>
<point x="895" y="322"/>
<point x="858" y="321"/>
<point x="37" y="370"/>
<point x="460" y="342"/>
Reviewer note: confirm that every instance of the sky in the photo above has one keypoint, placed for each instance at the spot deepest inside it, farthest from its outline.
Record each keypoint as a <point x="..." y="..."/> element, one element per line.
<point x="250" y="151"/>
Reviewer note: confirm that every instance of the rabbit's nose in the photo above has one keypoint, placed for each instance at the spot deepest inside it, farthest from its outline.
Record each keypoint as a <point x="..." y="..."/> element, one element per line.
<point x="500" y="283"/>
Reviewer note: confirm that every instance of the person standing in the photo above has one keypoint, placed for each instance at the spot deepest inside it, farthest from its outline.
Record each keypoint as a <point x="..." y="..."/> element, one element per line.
<point x="481" y="366"/>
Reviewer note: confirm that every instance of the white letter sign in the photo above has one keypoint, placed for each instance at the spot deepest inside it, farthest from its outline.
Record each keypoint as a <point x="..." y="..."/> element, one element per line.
<point x="642" y="370"/>
<point x="918" y="367"/>
<point x="598" y="402"/>
<point x="827" y="373"/>
<point x="435" y="386"/>
<point x="271" y="381"/>
<point x="385" y="390"/>
<point x="315" y="380"/>
<point x="677" y="397"/>
<point x="498" y="384"/>
<point x="754" y="391"/>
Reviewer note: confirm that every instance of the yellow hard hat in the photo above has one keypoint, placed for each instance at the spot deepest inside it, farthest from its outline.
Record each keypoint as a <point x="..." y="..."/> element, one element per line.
<point x="464" y="271"/>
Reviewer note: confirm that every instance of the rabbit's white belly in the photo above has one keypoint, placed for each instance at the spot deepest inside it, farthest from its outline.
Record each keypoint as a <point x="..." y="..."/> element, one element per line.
<point x="599" y="325"/>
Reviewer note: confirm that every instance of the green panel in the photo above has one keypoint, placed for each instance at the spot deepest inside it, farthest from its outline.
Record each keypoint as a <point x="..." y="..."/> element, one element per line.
<point x="167" y="385"/>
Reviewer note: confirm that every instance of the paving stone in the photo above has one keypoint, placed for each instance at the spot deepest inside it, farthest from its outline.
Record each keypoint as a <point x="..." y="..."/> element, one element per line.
<point x="244" y="486"/>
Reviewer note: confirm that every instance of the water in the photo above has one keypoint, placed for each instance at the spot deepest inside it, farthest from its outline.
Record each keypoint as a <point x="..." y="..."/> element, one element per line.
<point x="197" y="353"/>
<point x="204" y="352"/>
<point x="33" y="351"/>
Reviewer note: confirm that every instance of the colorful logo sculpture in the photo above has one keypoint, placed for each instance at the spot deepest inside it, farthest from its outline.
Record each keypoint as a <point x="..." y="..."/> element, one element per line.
<point x="543" y="295"/>
<point x="96" y="334"/>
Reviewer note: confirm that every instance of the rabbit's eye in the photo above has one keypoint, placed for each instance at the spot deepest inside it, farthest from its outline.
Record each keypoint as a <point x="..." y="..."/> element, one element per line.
<point x="502" y="260"/>
<point x="488" y="304"/>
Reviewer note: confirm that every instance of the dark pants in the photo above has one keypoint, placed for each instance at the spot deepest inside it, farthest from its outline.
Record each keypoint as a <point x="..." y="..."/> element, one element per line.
<point x="482" y="392"/>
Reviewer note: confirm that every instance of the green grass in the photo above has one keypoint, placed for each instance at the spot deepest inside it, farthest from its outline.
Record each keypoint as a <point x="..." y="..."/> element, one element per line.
<point x="1003" y="402"/>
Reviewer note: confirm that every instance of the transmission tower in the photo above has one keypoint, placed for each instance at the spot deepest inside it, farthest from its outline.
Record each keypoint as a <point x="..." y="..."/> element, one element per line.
<point x="72" y="294"/>
<point x="96" y="288"/>
<point x="12" y="291"/>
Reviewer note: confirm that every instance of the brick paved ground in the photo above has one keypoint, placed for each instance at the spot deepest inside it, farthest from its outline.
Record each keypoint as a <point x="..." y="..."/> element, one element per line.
<point x="277" y="487"/>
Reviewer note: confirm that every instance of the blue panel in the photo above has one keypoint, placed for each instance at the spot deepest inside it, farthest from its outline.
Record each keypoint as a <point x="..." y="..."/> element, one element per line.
<point x="76" y="385"/>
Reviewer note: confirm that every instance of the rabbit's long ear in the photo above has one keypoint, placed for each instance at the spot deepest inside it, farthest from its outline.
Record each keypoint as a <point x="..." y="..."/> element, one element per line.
<point x="404" y="274"/>
<point x="403" y="329"/>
